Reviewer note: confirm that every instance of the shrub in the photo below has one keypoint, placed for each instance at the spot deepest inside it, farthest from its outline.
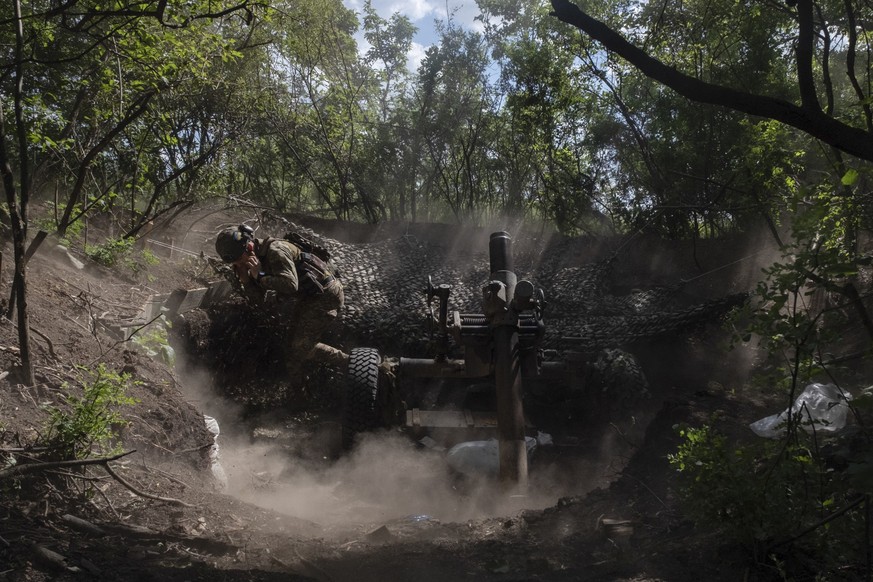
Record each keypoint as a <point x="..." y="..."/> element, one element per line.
<point x="111" y="252"/>
<point x="758" y="492"/>
<point x="768" y="492"/>
<point x="154" y="340"/>
<point x="87" y="425"/>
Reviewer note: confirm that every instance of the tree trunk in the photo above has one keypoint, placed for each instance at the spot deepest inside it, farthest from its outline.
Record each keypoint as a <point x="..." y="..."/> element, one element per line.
<point x="18" y="201"/>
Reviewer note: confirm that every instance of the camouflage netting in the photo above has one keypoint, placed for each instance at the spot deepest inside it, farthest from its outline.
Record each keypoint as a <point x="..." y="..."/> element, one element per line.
<point x="386" y="308"/>
<point x="385" y="286"/>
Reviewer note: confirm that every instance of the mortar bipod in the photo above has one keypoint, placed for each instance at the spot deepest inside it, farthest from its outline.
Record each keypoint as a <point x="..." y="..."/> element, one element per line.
<point x="441" y="292"/>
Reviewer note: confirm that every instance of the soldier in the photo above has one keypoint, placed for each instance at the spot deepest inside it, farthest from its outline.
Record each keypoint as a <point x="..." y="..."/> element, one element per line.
<point x="280" y="266"/>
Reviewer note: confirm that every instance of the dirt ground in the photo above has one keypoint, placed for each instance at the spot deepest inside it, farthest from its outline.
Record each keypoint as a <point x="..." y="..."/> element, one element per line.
<point x="291" y="509"/>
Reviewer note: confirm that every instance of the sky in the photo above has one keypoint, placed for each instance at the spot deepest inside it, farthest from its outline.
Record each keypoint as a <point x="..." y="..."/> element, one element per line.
<point x="422" y="13"/>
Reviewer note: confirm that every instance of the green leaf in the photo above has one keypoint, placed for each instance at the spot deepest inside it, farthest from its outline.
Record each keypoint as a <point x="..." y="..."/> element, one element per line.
<point x="850" y="177"/>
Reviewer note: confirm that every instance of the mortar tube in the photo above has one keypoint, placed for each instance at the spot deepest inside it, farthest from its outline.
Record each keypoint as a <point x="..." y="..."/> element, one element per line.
<point x="513" y="471"/>
<point x="500" y="248"/>
<point x="512" y="450"/>
<point x="500" y="252"/>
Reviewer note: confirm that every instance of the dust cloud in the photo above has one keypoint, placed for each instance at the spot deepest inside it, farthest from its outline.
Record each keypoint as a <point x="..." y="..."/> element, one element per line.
<point x="200" y="393"/>
<point x="386" y="477"/>
<point x="298" y="470"/>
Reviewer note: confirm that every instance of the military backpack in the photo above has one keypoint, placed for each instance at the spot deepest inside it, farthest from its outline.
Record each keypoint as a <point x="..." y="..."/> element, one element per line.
<point x="307" y="246"/>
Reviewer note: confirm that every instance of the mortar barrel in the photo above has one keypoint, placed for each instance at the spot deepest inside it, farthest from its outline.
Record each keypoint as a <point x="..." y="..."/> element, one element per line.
<point x="500" y="249"/>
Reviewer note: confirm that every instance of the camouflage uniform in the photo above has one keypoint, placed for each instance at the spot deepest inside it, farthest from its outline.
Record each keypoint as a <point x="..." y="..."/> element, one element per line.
<point x="310" y="304"/>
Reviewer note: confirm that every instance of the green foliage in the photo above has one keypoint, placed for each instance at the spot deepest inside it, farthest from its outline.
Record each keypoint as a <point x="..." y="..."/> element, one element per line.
<point x="111" y="252"/>
<point x="150" y="258"/>
<point x="727" y="486"/>
<point x="154" y="340"/>
<point x="756" y="492"/>
<point x="524" y="119"/>
<point x="120" y="252"/>
<point x="46" y="221"/>
<point x="799" y="313"/>
<point x="851" y="449"/>
<point x="87" y="425"/>
<point x="139" y="262"/>
<point x="769" y="491"/>
<point x="787" y="311"/>
<point x="122" y="112"/>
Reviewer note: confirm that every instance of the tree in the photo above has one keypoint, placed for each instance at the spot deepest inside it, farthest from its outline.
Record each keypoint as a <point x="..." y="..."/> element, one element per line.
<point x="80" y="77"/>
<point x="808" y="115"/>
<point x="390" y="41"/>
<point x="318" y="115"/>
<point x="454" y="107"/>
<point x="542" y="165"/>
<point x="385" y="166"/>
<point x="812" y="40"/>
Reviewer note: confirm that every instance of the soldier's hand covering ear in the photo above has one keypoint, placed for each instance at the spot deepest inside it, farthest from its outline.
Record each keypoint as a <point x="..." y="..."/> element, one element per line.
<point x="247" y="267"/>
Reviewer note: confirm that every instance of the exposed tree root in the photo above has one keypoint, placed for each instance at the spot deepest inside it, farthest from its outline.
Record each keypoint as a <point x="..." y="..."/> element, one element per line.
<point x="19" y="470"/>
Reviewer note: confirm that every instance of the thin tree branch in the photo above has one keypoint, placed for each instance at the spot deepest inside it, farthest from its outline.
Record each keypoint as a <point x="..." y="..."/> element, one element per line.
<point x="141" y="493"/>
<point x="810" y="120"/>
<point x="26" y="469"/>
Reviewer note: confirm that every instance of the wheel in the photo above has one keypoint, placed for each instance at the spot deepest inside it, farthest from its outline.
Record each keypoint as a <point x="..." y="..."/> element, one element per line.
<point x="362" y="409"/>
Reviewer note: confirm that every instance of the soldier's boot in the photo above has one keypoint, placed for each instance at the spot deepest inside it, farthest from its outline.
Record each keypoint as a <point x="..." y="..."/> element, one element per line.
<point x="326" y="354"/>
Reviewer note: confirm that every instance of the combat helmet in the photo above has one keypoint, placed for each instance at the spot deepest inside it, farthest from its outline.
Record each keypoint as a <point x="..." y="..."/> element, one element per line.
<point x="231" y="242"/>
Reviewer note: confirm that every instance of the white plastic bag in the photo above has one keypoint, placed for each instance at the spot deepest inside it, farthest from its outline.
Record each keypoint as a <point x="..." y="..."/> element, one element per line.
<point x="480" y="458"/>
<point x="544" y="439"/>
<point x="822" y="407"/>
<point x="214" y="457"/>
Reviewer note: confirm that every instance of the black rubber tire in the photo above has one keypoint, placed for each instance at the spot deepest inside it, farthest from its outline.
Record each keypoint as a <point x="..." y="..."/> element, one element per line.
<point x="361" y="407"/>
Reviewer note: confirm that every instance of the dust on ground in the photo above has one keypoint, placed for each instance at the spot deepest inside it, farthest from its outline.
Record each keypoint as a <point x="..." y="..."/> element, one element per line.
<point x="291" y="508"/>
